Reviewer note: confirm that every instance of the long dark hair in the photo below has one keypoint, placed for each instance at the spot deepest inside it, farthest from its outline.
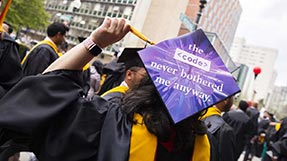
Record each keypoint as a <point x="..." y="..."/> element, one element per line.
<point x="145" y="101"/>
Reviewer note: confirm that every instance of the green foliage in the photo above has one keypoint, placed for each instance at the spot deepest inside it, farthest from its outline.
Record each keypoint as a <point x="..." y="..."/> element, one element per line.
<point x="27" y="13"/>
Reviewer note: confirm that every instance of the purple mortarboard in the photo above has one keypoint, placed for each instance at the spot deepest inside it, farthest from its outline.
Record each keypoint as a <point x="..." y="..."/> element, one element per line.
<point x="188" y="74"/>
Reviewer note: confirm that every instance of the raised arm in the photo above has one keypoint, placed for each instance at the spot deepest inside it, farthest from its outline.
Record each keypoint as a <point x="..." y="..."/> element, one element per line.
<point x="111" y="31"/>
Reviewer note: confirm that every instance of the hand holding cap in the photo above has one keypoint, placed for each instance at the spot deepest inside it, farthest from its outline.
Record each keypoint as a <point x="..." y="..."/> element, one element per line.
<point x="111" y="31"/>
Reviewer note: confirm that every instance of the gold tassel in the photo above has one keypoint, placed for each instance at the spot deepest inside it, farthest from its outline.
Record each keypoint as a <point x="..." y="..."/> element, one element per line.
<point x="3" y="14"/>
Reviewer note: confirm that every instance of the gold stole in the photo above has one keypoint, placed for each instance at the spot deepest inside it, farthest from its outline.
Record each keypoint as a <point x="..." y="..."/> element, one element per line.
<point x="143" y="144"/>
<point x="40" y="43"/>
<point x="211" y="111"/>
<point x="3" y="14"/>
<point x="121" y="89"/>
<point x="54" y="48"/>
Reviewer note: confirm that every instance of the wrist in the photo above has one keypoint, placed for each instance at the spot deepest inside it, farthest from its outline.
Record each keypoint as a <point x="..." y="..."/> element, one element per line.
<point x="93" y="48"/>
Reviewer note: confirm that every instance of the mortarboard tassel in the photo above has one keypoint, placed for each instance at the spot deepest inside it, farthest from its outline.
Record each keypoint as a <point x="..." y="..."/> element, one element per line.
<point x="141" y="36"/>
<point x="3" y="14"/>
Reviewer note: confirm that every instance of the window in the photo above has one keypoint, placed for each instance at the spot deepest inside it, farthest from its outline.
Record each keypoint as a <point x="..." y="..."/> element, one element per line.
<point x="97" y="7"/>
<point x="127" y="11"/>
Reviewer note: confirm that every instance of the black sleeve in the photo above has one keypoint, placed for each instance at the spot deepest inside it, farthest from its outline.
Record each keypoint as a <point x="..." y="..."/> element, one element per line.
<point x="10" y="67"/>
<point x="226" y="143"/>
<point x="279" y="148"/>
<point x="49" y="112"/>
<point x="38" y="98"/>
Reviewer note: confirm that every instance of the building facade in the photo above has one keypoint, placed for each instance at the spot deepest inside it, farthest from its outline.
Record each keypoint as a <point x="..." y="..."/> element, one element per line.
<point x="86" y="15"/>
<point x="257" y="56"/>
<point x="218" y="16"/>
<point x="157" y="19"/>
<point x="278" y="103"/>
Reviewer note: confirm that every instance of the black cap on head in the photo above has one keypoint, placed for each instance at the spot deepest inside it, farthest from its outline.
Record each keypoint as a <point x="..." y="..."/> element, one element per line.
<point x="131" y="58"/>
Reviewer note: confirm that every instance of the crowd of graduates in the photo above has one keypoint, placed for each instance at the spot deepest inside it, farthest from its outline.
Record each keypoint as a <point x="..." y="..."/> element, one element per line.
<point x="257" y="133"/>
<point x="63" y="109"/>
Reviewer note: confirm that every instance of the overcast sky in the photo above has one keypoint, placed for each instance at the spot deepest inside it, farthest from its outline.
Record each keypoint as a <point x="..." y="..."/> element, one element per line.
<point x="264" y="23"/>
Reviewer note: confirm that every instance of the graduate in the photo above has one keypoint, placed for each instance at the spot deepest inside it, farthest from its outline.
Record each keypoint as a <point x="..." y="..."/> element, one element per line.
<point x="113" y="75"/>
<point x="239" y="121"/>
<point x="277" y="147"/>
<point x="222" y="132"/>
<point x="10" y="67"/>
<point x="134" y="72"/>
<point x="46" y="51"/>
<point x="48" y="115"/>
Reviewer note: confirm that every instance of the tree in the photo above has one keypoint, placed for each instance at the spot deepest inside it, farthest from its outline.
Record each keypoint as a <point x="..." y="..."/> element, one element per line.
<point x="27" y="13"/>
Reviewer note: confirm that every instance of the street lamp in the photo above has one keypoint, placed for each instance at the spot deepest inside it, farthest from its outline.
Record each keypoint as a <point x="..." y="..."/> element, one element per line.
<point x="201" y="6"/>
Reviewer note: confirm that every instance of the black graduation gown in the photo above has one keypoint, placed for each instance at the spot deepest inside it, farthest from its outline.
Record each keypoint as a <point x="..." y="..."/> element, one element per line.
<point x="39" y="59"/>
<point x="239" y="121"/>
<point x="280" y="148"/>
<point x="48" y="115"/>
<point x="224" y="135"/>
<point x="10" y="67"/>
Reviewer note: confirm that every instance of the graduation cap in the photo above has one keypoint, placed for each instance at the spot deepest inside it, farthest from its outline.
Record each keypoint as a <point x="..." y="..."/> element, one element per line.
<point x="81" y="39"/>
<point x="115" y="70"/>
<point x="131" y="58"/>
<point x="187" y="80"/>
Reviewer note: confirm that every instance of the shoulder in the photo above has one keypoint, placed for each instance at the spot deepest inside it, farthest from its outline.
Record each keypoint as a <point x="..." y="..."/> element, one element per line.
<point x="7" y="40"/>
<point x="43" y="50"/>
<point x="238" y="116"/>
<point x="45" y="47"/>
<point x="213" y="123"/>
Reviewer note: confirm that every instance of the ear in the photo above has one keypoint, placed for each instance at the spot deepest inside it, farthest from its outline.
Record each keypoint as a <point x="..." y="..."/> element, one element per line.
<point x="59" y="34"/>
<point x="129" y="74"/>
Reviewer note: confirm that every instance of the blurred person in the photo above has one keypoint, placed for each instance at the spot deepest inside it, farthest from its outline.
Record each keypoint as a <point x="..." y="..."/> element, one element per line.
<point x="239" y="121"/>
<point x="277" y="150"/>
<point x="64" y="47"/>
<point x="253" y="114"/>
<point x="222" y="132"/>
<point x="140" y="128"/>
<point x="10" y="68"/>
<point x="134" y="72"/>
<point x="112" y="76"/>
<point x="264" y="122"/>
<point x="46" y="51"/>
<point x="96" y="71"/>
<point x="7" y="27"/>
<point x="23" y="49"/>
